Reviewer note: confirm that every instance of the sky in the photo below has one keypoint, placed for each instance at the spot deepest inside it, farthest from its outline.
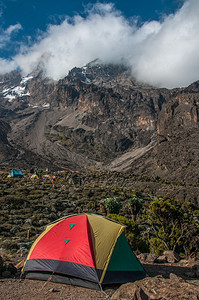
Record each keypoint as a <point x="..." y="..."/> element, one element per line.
<point x="157" y="39"/>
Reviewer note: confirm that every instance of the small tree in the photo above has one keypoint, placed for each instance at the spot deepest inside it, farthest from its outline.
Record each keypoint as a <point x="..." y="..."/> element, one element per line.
<point x="175" y="224"/>
<point x="112" y="205"/>
<point x="135" y="204"/>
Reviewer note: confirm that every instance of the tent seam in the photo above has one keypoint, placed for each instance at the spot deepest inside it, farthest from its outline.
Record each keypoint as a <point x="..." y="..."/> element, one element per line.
<point x="110" y="254"/>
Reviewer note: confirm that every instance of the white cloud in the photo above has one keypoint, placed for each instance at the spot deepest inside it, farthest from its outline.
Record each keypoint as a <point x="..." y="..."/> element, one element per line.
<point x="163" y="53"/>
<point x="13" y="28"/>
<point x="5" y="35"/>
<point x="170" y="57"/>
<point x="6" y="66"/>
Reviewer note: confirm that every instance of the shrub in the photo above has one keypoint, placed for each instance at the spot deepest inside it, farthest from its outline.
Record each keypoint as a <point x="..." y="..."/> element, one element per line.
<point x="112" y="205"/>
<point x="156" y="246"/>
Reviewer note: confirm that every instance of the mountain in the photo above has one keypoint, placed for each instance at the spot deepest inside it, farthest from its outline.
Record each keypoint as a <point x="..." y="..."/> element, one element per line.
<point x="99" y="116"/>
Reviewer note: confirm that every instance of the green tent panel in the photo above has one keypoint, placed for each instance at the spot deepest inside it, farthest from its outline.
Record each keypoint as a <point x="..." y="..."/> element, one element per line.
<point x="123" y="263"/>
<point x="86" y="250"/>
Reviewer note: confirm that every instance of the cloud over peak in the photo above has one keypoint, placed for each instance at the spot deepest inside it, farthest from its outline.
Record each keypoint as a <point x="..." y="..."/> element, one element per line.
<point x="162" y="53"/>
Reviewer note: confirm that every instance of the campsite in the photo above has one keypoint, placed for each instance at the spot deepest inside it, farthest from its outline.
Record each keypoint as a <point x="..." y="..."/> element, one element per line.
<point x="35" y="204"/>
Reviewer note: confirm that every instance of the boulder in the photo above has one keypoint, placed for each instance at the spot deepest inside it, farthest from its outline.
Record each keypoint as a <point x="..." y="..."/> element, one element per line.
<point x="172" y="257"/>
<point x="158" y="288"/>
<point x="130" y="291"/>
<point x="147" y="257"/>
<point x="161" y="259"/>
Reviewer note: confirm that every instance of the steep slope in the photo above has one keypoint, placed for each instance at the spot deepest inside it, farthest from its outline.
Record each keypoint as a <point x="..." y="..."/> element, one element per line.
<point x="175" y="156"/>
<point x="100" y="116"/>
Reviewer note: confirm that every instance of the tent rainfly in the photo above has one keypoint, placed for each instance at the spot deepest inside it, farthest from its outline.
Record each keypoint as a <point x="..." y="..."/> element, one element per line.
<point x="16" y="173"/>
<point x="86" y="250"/>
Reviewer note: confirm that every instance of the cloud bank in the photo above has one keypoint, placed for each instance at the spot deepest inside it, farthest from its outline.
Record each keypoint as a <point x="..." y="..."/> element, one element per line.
<point x="161" y="53"/>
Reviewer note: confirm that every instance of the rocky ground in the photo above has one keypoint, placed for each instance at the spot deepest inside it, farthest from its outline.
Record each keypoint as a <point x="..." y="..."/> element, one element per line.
<point x="158" y="287"/>
<point x="165" y="281"/>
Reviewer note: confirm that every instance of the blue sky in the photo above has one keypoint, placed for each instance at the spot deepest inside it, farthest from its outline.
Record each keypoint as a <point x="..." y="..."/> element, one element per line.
<point x="36" y="15"/>
<point x="158" y="39"/>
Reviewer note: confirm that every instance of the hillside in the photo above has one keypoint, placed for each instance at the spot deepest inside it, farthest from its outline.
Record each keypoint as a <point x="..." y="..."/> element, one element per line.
<point x="28" y="205"/>
<point x="99" y="116"/>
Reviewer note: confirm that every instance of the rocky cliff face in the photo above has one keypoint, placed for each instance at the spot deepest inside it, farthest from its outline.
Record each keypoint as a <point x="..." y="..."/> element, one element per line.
<point x="99" y="115"/>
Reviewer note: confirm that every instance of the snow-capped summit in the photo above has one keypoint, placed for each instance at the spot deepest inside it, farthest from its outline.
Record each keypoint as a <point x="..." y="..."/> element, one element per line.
<point x="13" y="89"/>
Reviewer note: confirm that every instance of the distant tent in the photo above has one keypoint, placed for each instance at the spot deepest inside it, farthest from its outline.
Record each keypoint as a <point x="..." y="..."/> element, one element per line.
<point x="87" y="250"/>
<point x="34" y="176"/>
<point x="15" y="173"/>
<point x="46" y="176"/>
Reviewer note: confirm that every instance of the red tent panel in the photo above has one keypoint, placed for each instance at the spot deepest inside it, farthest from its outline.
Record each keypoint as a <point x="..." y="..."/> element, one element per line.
<point x="69" y="240"/>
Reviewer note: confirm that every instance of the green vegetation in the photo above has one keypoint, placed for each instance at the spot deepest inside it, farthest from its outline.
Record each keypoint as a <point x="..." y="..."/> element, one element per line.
<point x="153" y="224"/>
<point x="135" y="205"/>
<point x="175" y="225"/>
<point x="112" y="205"/>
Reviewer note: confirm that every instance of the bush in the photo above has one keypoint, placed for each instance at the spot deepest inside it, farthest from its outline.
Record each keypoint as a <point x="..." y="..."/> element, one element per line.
<point x="112" y="205"/>
<point x="156" y="246"/>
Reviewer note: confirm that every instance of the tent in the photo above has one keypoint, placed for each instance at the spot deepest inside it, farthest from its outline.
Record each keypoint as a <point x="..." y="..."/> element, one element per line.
<point x="85" y="249"/>
<point x="34" y="176"/>
<point x="46" y="176"/>
<point x="15" y="173"/>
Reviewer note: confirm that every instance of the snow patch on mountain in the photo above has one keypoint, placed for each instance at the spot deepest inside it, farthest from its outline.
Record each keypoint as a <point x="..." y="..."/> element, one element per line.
<point x="11" y="93"/>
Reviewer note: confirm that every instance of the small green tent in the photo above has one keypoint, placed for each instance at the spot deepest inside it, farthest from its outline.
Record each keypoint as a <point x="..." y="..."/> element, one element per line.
<point x="87" y="250"/>
<point x="16" y="173"/>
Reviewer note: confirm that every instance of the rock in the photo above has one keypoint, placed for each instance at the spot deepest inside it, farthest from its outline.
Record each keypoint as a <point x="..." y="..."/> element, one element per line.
<point x="130" y="291"/>
<point x="6" y="274"/>
<point x="174" y="277"/>
<point x="140" y="294"/>
<point x="171" y="256"/>
<point x="158" y="288"/>
<point x="161" y="259"/>
<point x="142" y="257"/>
<point x="184" y="262"/>
<point x="147" y="257"/>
